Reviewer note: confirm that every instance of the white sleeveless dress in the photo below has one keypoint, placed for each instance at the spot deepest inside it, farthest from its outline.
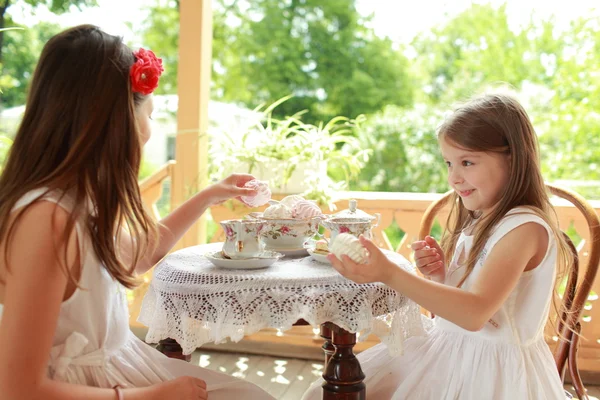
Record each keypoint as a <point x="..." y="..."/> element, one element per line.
<point x="507" y="360"/>
<point x="93" y="345"/>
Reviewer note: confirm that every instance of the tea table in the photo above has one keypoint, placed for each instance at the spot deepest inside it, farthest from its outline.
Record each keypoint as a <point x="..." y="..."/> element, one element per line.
<point x="191" y="302"/>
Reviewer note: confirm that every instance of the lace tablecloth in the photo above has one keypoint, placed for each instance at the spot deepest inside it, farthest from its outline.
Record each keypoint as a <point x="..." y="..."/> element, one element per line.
<point x="194" y="302"/>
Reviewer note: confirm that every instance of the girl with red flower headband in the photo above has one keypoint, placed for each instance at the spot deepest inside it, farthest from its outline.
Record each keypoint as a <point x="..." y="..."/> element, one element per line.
<point x="74" y="233"/>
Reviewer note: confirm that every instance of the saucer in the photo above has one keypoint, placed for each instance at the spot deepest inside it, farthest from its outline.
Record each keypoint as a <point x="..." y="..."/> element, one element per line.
<point x="291" y="252"/>
<point x="319" y="257"/>
<point x="266" y="259"/>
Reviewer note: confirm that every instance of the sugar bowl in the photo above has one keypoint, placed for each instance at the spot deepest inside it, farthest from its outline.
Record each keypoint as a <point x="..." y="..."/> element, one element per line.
<point x="353" y="221"/>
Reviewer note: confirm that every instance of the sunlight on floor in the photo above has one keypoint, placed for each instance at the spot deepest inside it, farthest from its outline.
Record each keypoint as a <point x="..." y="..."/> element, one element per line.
<point x="285" y="379"/>
<point x="280" y="370"/>
<point x="242" y="367"/>
<point x="317" y="370"/>
<point x="204" y="360"/>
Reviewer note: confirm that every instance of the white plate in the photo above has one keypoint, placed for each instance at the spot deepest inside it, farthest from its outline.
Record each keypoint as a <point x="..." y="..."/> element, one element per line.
<point x="267" y="259"/>
<point x="288" y="252"/>
<point x="319" y="257"/>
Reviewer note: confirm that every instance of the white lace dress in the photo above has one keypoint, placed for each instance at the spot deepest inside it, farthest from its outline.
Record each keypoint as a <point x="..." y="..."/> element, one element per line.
<point x="507" y="360"/>
<point x="93" y="344"/>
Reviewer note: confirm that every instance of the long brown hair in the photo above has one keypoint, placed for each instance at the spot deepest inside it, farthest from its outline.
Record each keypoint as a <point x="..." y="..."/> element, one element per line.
<point x="497" y="123"/>
<point x="79" y="136"/>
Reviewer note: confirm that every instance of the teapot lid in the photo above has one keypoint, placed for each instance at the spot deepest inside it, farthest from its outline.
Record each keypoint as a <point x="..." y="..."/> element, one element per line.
<point x="353" y="212"/>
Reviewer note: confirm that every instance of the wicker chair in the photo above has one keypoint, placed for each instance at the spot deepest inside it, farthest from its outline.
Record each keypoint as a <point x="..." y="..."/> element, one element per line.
<point x="577" y="291"/>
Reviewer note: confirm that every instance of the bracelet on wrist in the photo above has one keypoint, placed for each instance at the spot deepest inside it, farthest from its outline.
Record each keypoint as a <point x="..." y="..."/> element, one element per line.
<point x="119" y="392"/>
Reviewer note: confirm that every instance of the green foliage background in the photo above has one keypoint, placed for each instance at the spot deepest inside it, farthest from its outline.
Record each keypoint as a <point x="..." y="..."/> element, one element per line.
<point x="327" y="56"/>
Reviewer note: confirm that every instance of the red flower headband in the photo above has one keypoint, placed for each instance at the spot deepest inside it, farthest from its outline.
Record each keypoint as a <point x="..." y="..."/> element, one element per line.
<point x="145" y="72"/>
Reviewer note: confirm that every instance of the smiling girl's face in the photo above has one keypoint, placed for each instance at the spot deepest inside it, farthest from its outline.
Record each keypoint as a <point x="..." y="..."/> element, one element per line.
<point x="477" y="177"/>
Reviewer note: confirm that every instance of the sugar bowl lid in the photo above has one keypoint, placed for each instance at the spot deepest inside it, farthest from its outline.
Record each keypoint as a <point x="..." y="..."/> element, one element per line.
<point x="353" y="212"/>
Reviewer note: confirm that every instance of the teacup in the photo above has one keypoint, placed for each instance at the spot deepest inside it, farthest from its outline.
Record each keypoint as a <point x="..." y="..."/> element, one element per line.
<point x="242" y="238"/>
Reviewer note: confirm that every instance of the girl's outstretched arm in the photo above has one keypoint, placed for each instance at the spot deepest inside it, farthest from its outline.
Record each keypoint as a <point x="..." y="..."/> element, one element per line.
<point x="523" y="247"/>
<point x="174" y="225"/>
<point x="35" y="287"/>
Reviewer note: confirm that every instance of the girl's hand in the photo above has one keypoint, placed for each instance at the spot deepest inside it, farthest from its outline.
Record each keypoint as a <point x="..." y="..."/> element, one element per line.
<point x="231" y="187"/>
<point x="377" y="269"/>
<point x="430" y="259"/>
<point x="182" y="388"/>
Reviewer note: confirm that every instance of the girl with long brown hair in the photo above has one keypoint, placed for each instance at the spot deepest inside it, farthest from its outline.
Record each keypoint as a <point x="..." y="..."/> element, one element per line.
<point x="490" y="282"/>
<point x="74" y="233"/>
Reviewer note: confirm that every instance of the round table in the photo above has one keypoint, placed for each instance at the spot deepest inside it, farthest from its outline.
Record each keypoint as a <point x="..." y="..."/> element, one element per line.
<point x="192" y="302"/>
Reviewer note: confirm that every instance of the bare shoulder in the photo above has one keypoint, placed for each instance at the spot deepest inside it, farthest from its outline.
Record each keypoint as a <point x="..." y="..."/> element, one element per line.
<point x="523" y="247"/>
<point x="536" y="230"/>
<point x="40" y="222"/>
<point x="527" y="235"/>
<point x="537" y="238"/>
<point x="38" y="232"/>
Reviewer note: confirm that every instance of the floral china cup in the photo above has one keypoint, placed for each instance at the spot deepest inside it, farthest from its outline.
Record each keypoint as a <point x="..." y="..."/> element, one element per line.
<point x="353" y="221"/>
<point x="289" y="233"/>
<point x="242" y="238"/>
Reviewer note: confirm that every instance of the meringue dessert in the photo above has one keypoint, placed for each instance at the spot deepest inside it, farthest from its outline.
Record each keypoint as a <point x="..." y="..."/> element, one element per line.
<point x="262" y="197"/>
<point x="348" y="244"/>
<point x="292" y="207"/>
<point x="291" y="200"/>
<point x="305" y="209"/>
<point x="278" y="211"/>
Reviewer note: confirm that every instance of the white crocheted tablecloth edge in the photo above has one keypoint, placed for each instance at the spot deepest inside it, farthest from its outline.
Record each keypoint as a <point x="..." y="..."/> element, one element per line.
<point x="392" y="329"/>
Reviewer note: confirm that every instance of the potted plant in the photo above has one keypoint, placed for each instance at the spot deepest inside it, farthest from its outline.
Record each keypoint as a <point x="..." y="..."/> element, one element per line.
<point x="294" y="156"/>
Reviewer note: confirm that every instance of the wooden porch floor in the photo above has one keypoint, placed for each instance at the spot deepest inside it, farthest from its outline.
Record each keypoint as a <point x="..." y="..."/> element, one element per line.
<point x="284" y="378"/>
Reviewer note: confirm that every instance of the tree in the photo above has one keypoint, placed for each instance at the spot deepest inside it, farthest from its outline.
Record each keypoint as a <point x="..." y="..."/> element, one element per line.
<point x="567" y="117"/>
<point x="320" y="52"/>
<point x="405" y="154"/>
<point x="21" y="51"/>
<point x="55" y="6"/>
<point x="479" y="46"/>
<point x="161" y="34"/>
<point x="554" y="74"/>
<point x="323" y="53"/>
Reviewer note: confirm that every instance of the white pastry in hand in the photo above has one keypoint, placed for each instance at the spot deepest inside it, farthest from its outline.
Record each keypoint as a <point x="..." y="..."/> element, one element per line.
<point x="348" y="244"/>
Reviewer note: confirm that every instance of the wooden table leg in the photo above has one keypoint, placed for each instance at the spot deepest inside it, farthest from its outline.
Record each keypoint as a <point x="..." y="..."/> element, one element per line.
<point x="343" y="375"/>
<point x="327" y="347"/>
<point x="172" y="349"/>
